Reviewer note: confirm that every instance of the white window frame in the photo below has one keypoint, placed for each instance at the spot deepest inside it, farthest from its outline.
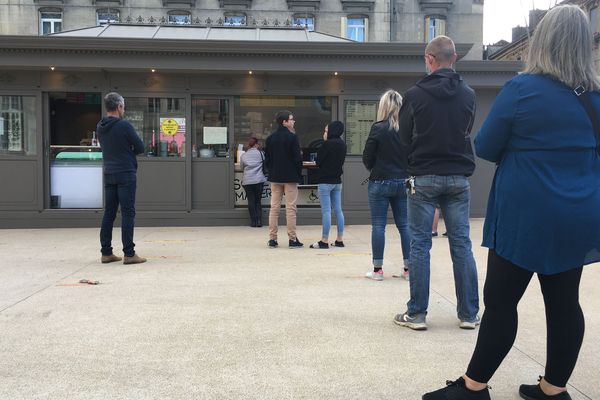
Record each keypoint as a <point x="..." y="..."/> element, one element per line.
<point x="434" y="26"/>
<point x="351" y="30"/>
<point x="174" y="14"/>
<point x="243" y="22"/>
<point x="309" y="27"/>
<point x="107" y="11"/>
<point x="53" y="21"/>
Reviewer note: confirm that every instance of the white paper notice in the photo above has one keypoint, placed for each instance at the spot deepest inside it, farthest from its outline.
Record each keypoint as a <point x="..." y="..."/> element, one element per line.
<point x="215" y="135"/>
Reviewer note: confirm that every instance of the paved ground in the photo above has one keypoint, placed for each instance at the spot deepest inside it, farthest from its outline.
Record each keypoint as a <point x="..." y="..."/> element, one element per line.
<point x="215" y="314"/>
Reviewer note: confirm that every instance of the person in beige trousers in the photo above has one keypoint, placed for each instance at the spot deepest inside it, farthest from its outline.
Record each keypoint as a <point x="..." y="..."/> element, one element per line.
<point x="283" y="160"/>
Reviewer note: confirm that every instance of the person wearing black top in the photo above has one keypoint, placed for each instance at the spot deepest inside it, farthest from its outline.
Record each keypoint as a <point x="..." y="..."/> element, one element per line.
<point x="382" y="158"/>
<point x="330" y="160"/>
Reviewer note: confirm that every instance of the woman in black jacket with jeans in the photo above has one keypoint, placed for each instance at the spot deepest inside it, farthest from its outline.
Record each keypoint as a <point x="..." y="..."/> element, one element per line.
<point x="382" y="158"/>
<point x="330" y="159"/>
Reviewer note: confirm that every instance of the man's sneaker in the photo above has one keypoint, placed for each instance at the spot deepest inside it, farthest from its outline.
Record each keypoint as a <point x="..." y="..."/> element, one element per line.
<point x="406" y="274"/>
<point x="295" y="244"/>
<point x="457" y="390"/>
<point x="272" y="243"/>
<point x="417" y="323"/>
<point x="110" y="258"/>
<point x="376" y="276"/>
<point x="338" y="243"/>
<point x="534" y="392"/>
<point x="470" y="324"/>
<point x="134" y="259"/>
<point x="434" y="234"/>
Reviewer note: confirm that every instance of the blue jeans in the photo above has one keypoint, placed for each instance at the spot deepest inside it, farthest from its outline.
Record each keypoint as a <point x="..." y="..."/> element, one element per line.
<point x="383" y="194"/>
<point x="119" y="189"/>
<point x="330" y="195"/>
<point x="452" y="193"/>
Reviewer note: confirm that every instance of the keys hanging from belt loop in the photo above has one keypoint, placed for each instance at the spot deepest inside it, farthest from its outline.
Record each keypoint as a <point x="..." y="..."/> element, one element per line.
<point x="411" y="184"/>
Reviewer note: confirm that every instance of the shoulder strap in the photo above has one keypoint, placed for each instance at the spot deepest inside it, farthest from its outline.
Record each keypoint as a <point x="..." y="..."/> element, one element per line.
<point x="583" y="97"/>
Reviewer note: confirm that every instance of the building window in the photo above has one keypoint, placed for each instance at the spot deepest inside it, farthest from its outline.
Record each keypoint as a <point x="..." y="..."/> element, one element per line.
<point x="180" y="17"/>
<point x="18" y="127"/>
<point x="107" y="16"/>
<point x="594" y="18"/>
<point x="305" y="21"/>
<point x="434" y="26"/>
<point x="356" y="28"/>
<point x="235" y="19"/>
<point x="50" y="22"/>
<point x="210" y="119"/>
<point x="160" y="122"/>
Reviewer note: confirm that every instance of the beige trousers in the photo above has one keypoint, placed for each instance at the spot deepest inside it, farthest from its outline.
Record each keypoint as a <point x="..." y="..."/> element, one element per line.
<point x="291" y="197"/>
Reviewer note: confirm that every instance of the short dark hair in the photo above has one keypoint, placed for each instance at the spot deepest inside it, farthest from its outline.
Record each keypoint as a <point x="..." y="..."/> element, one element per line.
<point x="281" y="116"/>
<point x="113" y="100"/>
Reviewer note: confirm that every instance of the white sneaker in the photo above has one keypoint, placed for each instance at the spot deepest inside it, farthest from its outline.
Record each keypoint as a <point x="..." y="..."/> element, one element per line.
<point x="376" y="276"/>
<point x="470" y="324"/>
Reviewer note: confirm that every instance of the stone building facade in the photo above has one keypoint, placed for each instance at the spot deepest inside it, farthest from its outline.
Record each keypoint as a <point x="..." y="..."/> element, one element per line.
<point x="408" y="21"/>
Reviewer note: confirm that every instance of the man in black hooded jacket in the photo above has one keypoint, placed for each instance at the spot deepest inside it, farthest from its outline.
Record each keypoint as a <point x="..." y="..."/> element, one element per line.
<point x="435" y="125"/>
<point x="120" y="144"/>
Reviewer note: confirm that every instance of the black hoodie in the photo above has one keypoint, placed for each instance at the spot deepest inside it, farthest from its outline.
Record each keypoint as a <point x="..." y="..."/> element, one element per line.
<point x="120" y="144"/>
<point x="331" y="155"/>
<point x="435" y="125"/>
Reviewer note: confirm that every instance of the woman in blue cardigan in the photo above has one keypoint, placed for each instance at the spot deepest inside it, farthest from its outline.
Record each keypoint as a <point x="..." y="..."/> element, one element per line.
<point x="543" y="213"/>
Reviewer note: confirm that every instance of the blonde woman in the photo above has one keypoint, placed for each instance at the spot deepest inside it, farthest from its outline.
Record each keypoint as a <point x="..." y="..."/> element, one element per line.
<point x="386" y="181"/>
<point x="543" y="141"/>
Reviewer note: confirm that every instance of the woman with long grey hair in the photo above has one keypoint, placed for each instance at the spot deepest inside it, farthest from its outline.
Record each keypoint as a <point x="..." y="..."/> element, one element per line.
<point x="543" y="212"/>
<point x="387" y="179"/>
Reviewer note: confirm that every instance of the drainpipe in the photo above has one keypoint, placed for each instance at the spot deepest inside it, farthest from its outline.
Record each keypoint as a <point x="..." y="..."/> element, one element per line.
<point x="392" y="20"/>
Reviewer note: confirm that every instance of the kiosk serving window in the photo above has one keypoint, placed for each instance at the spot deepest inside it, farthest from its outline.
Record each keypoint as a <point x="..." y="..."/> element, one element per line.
<point x="255" y="116"/>
<point x="160" y="122"/>
<point x="210" y="135"/>
<point x="18" y="125"/>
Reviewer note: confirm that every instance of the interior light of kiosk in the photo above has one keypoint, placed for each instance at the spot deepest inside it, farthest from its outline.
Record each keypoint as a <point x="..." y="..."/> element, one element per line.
<point x="250" y="72"/>
<point x="335" y="73"/>
<point x="52" y="68"/>
<point x="153" y="70"/>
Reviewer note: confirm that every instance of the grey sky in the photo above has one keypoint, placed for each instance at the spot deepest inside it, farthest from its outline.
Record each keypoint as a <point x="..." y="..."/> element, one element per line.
<point x="500" y="16"/>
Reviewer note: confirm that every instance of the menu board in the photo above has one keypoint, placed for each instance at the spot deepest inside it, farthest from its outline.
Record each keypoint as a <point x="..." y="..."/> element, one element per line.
<point x="360" y="115"/>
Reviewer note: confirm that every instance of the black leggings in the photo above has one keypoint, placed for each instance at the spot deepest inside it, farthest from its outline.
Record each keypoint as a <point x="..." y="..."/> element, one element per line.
<point x="254" y="194"/>
<point x="505" y="284"/>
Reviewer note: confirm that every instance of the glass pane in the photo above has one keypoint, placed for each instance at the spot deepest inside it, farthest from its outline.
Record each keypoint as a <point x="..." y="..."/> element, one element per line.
<point x="51" y="15"/>
<point x="18" y="125"/>
<point x="360" y="115"/>
<point x="306" y="22"/>
<point x="254" y="116"/>
<point x="209" y="123"/>
<point x="161" y="124"/>
<point x="179" y="19"/>
<point x="46" y="27"/>
<point x="107" y="17"/>
<point x="235" y="20"/>
<point x="57" y="27"/>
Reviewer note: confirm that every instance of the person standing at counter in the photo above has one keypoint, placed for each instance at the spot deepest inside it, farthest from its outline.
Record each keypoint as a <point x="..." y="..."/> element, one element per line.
<point x="283" y="159"/>
<point x="120" y="144"/>
<point x="330" y="160"/>
<point x="253" y="180"/>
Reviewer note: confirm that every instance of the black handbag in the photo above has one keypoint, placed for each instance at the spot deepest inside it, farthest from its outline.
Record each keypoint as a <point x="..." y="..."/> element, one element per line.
<point x="583" y="97"/>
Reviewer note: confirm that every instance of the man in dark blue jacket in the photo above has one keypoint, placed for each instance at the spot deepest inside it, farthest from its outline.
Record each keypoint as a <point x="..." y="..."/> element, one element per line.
<point x="435" y="125"/>
<point x="120" y="144"/>
<point x="283" y="159"/>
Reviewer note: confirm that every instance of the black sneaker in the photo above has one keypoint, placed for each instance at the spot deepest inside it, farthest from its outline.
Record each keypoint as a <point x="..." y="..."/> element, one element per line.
<point x="273" y="243"/>
<point x="295" y="244"/>
<point x="338" y="243"/>
<point x="319" y="245"/>
<point x="457" y="391"/>
<point x="534" y="392"/>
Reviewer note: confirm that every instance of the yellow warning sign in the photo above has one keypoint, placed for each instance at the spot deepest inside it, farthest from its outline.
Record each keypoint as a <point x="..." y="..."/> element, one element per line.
<point x="169" y="127"/>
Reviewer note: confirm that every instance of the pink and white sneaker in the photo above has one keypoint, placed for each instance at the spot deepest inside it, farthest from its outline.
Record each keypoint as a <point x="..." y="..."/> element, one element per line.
<point x="376" y="276"/>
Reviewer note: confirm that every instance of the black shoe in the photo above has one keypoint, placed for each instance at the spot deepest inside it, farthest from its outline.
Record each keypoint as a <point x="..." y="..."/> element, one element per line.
<point x="253" y="224"/>
<point x="534" y="392"/>
<point x="272" y="243"/>
<point x="338" y="243"/>
<point x="457" y="391"/>
<point x="434" y="234"/>
<point x="295" y="244"/>
<point x="319" y="245"/>
<point x="259" y="223"/>
<point x="445" y="234"/>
